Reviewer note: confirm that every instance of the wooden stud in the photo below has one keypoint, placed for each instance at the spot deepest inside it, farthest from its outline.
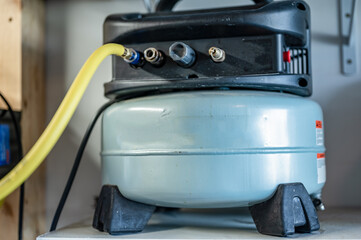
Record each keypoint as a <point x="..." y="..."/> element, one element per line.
<point x="33" y="111"/>
<point x="10" y="86"/>
<point x="22" y="78"/>
<point x="10" y="52"/>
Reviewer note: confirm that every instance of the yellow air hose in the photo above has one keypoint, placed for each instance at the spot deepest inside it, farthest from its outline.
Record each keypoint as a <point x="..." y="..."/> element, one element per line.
<point x="58" y="123"/>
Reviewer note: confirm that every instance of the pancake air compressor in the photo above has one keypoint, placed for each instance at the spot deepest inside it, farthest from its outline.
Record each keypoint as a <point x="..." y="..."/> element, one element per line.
<point x="223" y="120"/>
<point x="208" y="110"/>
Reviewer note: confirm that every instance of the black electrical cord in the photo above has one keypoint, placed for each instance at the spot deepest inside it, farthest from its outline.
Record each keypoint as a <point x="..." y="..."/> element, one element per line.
<point x="77" y="163"/>
<point x="20" y="156"/>
<point x="21" y="211"/>
<point x="69" y="183"/>
<point x="2" y="114"/>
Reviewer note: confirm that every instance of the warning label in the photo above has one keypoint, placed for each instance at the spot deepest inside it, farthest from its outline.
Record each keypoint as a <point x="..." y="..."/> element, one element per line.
<point x="318" y="124"/>
<point x="321" y="168"/>
<point x="319" y="133"/>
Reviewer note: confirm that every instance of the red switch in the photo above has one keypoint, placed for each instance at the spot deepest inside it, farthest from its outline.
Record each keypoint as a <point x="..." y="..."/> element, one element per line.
<point x="287" y="56"/>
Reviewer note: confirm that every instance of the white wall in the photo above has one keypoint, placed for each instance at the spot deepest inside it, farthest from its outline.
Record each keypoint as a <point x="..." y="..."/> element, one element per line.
<point x="74" y="30"/>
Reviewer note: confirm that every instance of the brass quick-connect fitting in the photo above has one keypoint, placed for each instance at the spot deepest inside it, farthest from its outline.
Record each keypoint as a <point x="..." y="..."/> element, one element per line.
<point x="128" y="54"/>
<point x="133" y="57"/>
<point x="154" y="56"/>
<point x="217" y="54"/>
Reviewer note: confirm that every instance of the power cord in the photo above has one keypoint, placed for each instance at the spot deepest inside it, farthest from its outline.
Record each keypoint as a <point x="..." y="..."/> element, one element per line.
<point x="76" y="164"/>
<point x="2" y="113"/>
<point x="81" y="149"/>
<point x="20" y="156"/>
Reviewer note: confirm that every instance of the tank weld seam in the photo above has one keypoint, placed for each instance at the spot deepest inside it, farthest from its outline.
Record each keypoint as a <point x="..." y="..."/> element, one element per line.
<point x="212" y="151"/>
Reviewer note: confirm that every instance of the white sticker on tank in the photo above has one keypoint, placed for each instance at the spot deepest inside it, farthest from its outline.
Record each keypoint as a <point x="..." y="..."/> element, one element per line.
<point x="319" y="133"/>
<point x="321" y="168"/>
<point x="319" y="136"/>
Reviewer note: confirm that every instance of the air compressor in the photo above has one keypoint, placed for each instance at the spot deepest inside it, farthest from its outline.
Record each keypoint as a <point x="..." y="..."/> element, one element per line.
<point x="223" y="120"/>
<point x="208" y="109"/>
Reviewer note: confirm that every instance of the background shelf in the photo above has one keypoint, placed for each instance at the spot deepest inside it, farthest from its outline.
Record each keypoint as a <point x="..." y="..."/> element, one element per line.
<point x="336" y="223"/>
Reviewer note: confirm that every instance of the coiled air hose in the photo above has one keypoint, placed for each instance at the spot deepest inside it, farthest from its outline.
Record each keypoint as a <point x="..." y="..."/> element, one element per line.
<point x="60" y="120"/>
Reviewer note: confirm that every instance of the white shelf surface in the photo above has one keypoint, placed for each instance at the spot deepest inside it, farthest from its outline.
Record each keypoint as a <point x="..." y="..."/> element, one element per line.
<point x="336" y="223"/>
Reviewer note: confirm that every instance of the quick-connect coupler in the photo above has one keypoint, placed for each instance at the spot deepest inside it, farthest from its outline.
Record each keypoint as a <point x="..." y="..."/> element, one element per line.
<point x="133" y="57"/>
<point x="182" y="54"/>
<point x="154" y="56"/>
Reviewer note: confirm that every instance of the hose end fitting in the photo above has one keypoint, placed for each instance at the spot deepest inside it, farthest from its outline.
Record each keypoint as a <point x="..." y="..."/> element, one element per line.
<point x="133" y="57"/>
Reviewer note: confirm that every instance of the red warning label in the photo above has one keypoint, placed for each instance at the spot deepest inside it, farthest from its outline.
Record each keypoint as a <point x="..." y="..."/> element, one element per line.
<point x="320" y="155"/>
<point x="318" y="124"/>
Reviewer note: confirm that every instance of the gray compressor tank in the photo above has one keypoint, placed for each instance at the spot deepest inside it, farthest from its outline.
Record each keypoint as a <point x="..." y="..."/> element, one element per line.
<point x="212" y="149"/>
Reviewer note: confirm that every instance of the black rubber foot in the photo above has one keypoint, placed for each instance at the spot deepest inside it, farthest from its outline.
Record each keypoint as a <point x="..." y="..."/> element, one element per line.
<point x="290" y="210"/>
<point x="115" y="214"/>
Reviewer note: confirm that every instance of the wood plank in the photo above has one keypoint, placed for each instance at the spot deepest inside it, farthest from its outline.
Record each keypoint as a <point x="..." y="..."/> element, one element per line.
<point x="22" y="78"/>
<point x="9" y="213"/>
<point x="10" y="51"/>
<point x="10" y="85"/>
<point x="33" y="110"/>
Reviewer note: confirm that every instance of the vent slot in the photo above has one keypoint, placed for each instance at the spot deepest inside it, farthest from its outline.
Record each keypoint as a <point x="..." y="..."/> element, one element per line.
<point x="299" y="61"/>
